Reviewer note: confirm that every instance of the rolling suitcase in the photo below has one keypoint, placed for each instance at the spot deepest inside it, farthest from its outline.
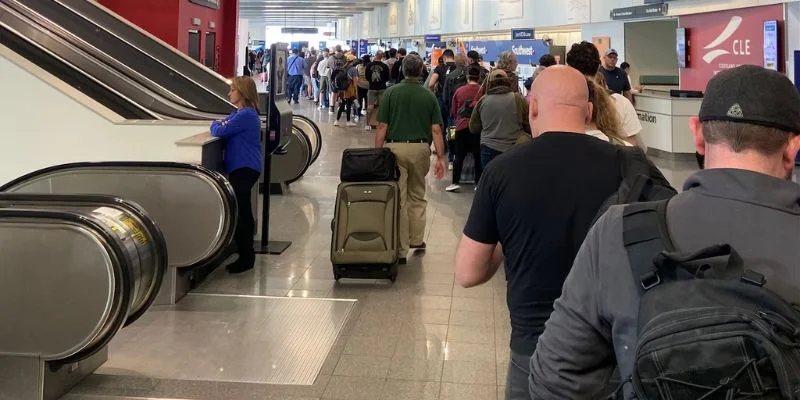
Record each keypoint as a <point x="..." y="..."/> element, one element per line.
<point x="365" y="236"/>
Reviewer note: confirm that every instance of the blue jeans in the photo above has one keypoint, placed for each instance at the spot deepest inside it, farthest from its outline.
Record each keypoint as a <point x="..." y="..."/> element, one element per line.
<point x="488" y="154"/>
<point x="315" y="82"/>
<point x="517" y="378"/>
<point x="295" y="84"/>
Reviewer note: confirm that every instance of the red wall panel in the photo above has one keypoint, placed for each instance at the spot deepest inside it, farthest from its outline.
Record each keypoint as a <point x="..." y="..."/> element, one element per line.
<point x="723" y="40"/>
<point x="154" y="16"/>
<point x="171" y="21"/>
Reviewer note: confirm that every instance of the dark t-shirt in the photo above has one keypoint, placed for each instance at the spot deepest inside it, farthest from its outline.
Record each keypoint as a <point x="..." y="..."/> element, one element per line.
<point x="617" y="80"/>
<point x="539" y="200"/>
<point x="377" y="74"/>
<point x="443" y="70"/>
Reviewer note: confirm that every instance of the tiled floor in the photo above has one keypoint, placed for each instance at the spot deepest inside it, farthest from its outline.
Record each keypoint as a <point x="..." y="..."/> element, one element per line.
<point x="422" y="337"/>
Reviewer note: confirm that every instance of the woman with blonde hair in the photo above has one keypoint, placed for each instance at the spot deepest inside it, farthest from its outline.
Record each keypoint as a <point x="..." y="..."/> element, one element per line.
<point x="241" y="134"/>
<point x="605" y="123"/>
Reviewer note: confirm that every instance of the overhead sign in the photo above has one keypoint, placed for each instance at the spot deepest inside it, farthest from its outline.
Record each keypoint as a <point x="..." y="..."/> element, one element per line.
<point x="527" y="51"/>
<point x="433" y="38"/>
<point x="645" y="11"/>
<point x="522" y="34"/>
<point x="206" y="3"/>
<point x="291" y="30"/>
<point x="363" y="47"/>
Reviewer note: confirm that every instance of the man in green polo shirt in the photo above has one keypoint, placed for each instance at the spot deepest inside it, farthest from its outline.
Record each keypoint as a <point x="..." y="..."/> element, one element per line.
<point x="409" y="120"/>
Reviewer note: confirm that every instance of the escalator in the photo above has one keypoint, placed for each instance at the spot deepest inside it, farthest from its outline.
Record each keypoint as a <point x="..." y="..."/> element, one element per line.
<point x="194" y="207"/>
<point x="120" y="54"/>
<point x="40" y="45"/>
<point x="78" y="255"/>
<point x="149" y="45"/>
<point x="76" y="270"/>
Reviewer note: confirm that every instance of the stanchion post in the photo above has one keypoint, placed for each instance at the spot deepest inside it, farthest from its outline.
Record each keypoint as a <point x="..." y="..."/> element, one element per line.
<point x="272" y="138"/>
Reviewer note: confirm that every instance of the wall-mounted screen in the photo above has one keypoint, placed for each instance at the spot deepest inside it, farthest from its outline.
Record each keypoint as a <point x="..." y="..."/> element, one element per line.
<point x="771" y="45"/>
<point x="682" y="48"/>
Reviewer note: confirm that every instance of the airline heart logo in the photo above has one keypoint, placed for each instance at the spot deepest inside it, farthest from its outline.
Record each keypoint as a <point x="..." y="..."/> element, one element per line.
<point x="729" y="30"/>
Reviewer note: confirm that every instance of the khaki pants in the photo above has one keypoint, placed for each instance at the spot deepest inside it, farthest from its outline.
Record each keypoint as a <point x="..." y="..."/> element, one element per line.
<point x="414" y="160"/>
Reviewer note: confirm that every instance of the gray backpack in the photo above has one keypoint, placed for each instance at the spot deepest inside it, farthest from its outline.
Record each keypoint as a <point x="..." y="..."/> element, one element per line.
<point x="708" y="328"/>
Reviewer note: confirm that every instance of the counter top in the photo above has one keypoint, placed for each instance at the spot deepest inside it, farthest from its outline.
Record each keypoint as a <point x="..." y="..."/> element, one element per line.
<point x="198" y="140"/>
<point x="665" y="96"/>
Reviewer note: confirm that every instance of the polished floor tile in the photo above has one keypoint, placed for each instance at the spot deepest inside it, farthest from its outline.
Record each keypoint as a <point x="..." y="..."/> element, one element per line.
<point x="422" y="337"/>
<point x="232" y="339"/>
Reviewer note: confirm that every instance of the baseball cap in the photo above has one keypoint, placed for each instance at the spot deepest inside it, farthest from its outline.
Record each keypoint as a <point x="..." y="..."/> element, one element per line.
<point x="610" y="52"/>
<point x="473" y="55"/>
<point x="754" y="95"/>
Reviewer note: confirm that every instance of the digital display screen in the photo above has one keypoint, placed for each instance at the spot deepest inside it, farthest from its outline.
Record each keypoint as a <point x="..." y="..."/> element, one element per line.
<point x="280" y="72"/>
<point x="681" y="47"/>
<point x="771" y="45"/>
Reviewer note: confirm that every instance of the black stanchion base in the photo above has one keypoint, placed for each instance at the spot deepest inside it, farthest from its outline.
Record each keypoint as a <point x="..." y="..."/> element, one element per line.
<point x="272" y="247"/>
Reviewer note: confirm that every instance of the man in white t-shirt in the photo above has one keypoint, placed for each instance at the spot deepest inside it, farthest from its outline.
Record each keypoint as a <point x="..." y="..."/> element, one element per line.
<point x="585" y="58"/>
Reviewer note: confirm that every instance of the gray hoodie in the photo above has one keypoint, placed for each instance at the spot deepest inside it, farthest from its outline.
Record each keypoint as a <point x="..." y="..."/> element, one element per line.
<point x="500" y="117"/>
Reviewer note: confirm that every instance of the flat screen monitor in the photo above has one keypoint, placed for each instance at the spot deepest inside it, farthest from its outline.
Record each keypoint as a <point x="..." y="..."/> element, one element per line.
<point x="771" y="45"/>
<point x="682" y="48"/>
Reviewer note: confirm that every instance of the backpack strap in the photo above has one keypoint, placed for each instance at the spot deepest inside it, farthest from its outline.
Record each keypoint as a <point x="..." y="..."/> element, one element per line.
<point x="645" y="235"/>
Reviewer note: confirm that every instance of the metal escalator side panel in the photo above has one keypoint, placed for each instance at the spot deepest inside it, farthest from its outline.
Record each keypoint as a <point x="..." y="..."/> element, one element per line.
<point x="307" y="126"/>
<point x="149" y="242"/>
<point x="65" y="285"/>
<point x="194" y="207"/>
<point x="150" y="45"/>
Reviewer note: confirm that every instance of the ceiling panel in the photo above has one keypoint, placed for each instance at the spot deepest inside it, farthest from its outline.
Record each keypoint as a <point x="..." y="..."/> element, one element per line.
<point x="305" y="12"/>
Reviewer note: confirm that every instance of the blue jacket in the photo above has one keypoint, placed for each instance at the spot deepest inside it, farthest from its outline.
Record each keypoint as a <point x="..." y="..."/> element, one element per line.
<point x="241" y="132"/>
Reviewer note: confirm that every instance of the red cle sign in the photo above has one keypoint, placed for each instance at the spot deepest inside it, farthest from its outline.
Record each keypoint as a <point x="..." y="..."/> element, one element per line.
<point x="723" y="40"/>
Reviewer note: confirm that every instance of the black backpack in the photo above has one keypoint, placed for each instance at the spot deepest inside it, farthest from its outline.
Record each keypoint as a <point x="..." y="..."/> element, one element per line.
<point x="708" y="328"/>
<point x="641" y="180"/>
<point x="339" y="79"/>
<point x="455" y="79"/>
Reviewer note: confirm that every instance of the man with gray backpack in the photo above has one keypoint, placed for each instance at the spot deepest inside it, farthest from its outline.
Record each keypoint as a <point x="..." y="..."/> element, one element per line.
<point x="694" y="297"/>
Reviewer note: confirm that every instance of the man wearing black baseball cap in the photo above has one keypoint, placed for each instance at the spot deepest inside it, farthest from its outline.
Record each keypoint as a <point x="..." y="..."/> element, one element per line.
<point x="748" y="129"/>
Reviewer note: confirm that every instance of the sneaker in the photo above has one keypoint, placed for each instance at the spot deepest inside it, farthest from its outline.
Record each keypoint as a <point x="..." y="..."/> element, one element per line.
<point x="350" y="123"/>
<point x="330" y="112"/>
<point x="355" y="119"/>
<point x="450" y="166"/>
<point x="364" y="113"/>
<point x="453" y="188"/>
<point x="367" y="128"/>
<point x="336" y="123"/>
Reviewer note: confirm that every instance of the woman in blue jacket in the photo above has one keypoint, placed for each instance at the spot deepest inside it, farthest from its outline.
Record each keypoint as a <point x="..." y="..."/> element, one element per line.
<point x="241" y="133"/>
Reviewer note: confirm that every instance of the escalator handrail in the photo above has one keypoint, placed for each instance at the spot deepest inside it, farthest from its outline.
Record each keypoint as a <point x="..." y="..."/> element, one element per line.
<point x="122" y="268"/>
<point x="102" y="12"/>
<point x="70" y="65"/>
<point x="85" y="46"/>
<point x="154" y="232"/>
<point x="223" y="186"/>
<point x="318" y="148"/>
<point x="155" y="104"/>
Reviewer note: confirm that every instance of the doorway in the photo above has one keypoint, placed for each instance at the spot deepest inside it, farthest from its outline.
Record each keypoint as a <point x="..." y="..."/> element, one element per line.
<point x="194" y="45"/>
<point x="211" y="44"/>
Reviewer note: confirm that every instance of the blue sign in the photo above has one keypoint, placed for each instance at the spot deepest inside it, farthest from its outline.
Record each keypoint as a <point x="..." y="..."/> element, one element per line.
<point x="527" y="51"/>
<point x="433" y="38"/>
<point x="354" y="45"/>
<point x="522" y="34"/>
<point x="363" y="47"/>
<point x="323" y="45"/>
<point x="294" y="45"/>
